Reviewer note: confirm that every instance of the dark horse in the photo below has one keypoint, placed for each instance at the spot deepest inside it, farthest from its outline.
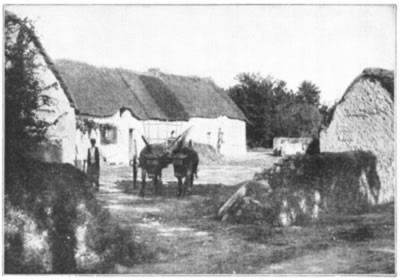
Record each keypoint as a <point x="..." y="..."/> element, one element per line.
<point x="153" y="159"/>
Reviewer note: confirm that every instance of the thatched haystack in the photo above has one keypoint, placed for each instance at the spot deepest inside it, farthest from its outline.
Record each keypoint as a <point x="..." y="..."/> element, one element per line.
<point x="364" y="120"/>
<point x="298" y="188"/>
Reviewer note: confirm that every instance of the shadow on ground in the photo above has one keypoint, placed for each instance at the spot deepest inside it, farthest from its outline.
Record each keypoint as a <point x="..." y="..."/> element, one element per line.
<point x="183" y="235"/>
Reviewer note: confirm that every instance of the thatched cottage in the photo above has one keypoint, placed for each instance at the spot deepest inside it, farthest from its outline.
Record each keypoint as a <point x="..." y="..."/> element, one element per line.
<point x="121" y="105"/>
<point x="60" y="113"/>
<point x="364" y="120"/>
<point x="210" y="112"/>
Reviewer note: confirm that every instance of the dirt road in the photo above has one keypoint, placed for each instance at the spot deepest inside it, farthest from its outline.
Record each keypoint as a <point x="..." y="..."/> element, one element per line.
<point x="182" y="236"/>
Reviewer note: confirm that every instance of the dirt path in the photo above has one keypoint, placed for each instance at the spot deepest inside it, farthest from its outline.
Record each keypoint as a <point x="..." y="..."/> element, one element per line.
<point x="182" y="235"/>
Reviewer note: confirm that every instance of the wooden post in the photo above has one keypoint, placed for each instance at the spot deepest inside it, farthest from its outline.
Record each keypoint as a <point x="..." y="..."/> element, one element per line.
<point x="234" y="200"/>
<point x="243" y="196"/>
<point x="134" y="170"/>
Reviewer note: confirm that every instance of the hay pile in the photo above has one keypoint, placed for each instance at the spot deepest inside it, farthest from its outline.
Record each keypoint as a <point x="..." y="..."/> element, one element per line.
<point x="364" y="120"/>
<point x="207" y="153"/>
<point x="298" y="188"/>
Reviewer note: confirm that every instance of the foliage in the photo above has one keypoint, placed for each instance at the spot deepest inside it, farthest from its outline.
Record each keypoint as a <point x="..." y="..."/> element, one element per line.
<point x="51" y="201"/>
<point x="50" y="192"/>
<point x="109" y="133"/>
<point x="275" y="111"/>
<point x="327" y="114"/>
<point x="42" y="210"/>
<point x="299" y="120"/>
<point x="346" y="181"/>
<point x="23" y="91"/>
<point x="86" y="125"/>
<point x="22" y="254"/>
<point x="308" y="93"/>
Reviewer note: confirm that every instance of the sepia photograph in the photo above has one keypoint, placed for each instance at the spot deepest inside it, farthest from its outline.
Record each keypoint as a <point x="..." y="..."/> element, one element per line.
<point x="191" y="139"/>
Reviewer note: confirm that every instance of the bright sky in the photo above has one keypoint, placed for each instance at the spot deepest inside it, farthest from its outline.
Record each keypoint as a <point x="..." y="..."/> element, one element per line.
<point x="328" y="45"/>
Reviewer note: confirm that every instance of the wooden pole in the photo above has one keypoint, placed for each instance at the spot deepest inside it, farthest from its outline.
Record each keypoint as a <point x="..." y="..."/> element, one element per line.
<point x="234" y="200"/>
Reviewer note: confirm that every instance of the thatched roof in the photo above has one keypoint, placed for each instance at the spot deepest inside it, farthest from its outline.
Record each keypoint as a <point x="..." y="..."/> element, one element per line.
<point x="44" y="54"/>
<point x="145" y="104"/>
<point x="201" y="97"/>
<point x="383" y="76"/>
<point x="101" y="91"/>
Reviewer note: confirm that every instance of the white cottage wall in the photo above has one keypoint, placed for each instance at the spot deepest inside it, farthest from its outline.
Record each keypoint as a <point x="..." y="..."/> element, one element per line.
<point x="157" y="131"/>
<point x="234" y="136"/>
<point x="129" y="122"/>
<point x="205" y="131"/>
<point x="117" y="153"/>
<point x="59" y="113"/>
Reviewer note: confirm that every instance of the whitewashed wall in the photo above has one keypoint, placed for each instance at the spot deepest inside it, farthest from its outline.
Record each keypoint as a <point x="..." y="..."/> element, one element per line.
<point x="157" y="131"/>
<point x="117" y="153"/>
<point x="60" y="113"/>
<point x="205" y="131"/>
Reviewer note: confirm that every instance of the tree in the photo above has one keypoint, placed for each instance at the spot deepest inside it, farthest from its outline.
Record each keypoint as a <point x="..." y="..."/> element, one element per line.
<point x="26" y="184"/>
<point x="327" y="114"/>
<point x="23" y="98"/>
<point x="309" y="93"/>
<point x="255" y="96"/>
<point x="23" y="91"/>
<point x="301" y="120"/>
<point x="274" y="111"/>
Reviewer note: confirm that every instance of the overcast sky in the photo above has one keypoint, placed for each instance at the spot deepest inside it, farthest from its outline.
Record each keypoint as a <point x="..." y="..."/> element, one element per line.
<point x="328" y="45"/>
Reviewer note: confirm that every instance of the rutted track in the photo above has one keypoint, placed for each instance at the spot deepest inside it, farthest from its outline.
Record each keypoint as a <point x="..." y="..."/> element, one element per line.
<point x="182" y="235"/>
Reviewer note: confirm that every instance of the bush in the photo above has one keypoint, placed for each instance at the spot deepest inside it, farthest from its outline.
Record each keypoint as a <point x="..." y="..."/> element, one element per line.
<point x="26" y="249"/>
<point x="344" y="182"/>
<point x="54" y="204"/>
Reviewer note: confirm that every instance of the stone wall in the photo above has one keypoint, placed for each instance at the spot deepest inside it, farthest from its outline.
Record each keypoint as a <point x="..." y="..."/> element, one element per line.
<point x="290" y="146"/>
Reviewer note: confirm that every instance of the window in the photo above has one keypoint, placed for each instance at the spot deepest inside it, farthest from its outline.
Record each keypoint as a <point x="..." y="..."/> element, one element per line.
<point x="108" y="134"/>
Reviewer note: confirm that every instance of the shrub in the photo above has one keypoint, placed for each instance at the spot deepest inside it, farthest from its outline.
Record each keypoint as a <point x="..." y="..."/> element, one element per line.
<point x="345" y="182"/>
<point x="54" y="204"/>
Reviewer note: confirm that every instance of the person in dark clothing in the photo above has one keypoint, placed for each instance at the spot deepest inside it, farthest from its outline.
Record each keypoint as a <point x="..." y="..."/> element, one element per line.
<point x="314" y="147"/>
<point x="93" y="164"/>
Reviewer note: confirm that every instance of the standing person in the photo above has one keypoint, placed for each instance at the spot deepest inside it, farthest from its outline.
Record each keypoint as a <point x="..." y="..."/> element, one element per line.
<point x="171" y="138"/>
<point x="220" y="140"/>
<point x="93" y="163"/>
